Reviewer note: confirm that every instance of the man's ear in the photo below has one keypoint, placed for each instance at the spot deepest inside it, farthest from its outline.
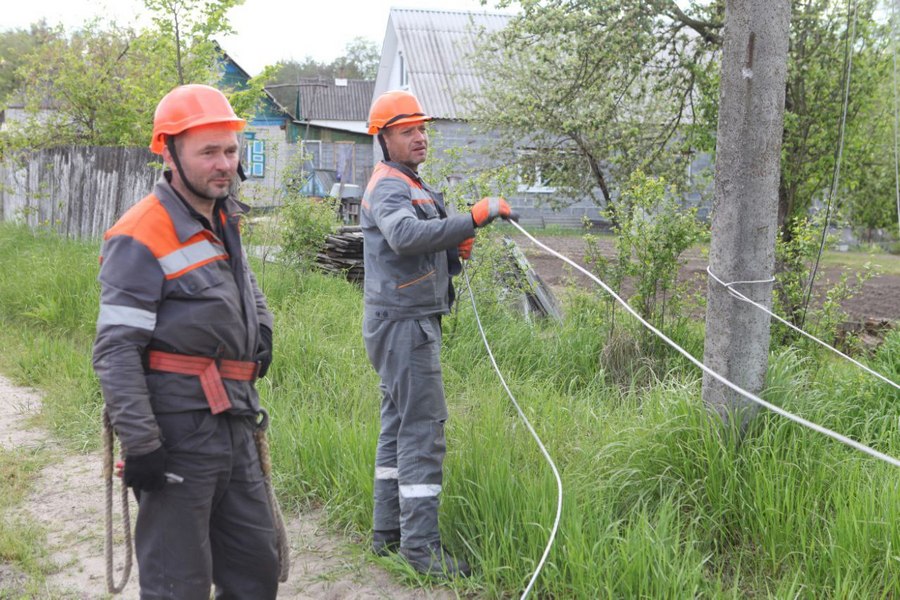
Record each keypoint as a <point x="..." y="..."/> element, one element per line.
<point x="167" y="156"/>
<point x="167" y="153"/>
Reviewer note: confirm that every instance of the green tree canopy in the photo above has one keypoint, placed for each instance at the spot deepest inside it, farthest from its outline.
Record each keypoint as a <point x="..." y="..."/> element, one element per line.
<point x="186" y="31"/>
<point x="100" y="84"/>
<point x="584" y="92"/>
<point x="15" y="46"/>
<point x="593" y="90"/>
<point x="814" y="107"/>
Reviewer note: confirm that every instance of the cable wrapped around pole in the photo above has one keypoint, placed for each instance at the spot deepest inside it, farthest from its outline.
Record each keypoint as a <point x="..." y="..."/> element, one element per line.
<point x="108" y="444"/>
<point x="265" y="462"/>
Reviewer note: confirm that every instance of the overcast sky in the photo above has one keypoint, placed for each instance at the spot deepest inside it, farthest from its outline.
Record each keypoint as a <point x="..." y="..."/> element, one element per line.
<point x="267" y="30"/>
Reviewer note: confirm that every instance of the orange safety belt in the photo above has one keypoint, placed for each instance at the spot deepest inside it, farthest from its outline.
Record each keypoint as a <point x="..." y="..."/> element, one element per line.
<point x="209" y="370"/>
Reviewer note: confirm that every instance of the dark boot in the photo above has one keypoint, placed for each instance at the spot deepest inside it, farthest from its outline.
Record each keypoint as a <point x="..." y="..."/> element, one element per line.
<point x="434" y="561"/>
<point x="385" y="542"/>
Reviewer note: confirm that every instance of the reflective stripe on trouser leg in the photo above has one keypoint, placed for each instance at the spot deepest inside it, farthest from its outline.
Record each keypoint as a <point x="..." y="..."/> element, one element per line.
<point x="386" y="511"/>
<point x="406" y="355"/>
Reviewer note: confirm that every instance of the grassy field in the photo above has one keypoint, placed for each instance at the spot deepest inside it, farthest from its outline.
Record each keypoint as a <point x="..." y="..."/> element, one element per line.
<point x="659" y="502"/>
<point x="886" y="264"/>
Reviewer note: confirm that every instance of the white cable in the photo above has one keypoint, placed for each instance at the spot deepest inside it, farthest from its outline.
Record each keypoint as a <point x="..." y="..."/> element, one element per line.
<point x="744" y="298"/>
<point x="779" y="411"/>
<point x="559" y="501"/>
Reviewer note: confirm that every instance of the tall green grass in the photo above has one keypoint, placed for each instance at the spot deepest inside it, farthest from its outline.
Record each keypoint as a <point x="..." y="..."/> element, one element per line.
<point x="660" y="502"/>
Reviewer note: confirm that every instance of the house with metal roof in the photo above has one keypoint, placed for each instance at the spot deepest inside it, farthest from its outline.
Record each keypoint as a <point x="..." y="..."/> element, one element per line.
<point x="331" y="124"/>
<point x="327" y="118"/>
<point x="428" y="52"/>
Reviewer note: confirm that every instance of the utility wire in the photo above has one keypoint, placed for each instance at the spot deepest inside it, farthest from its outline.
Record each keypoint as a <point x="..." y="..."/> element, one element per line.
<point x="699" y="364"/>
<point x="559" y="501"/>
<point x="743" y="298"/>
<point x="839" y="152"/>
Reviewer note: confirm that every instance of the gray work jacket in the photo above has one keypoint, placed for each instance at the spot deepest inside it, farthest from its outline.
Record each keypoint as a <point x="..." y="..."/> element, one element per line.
<point x="167" y="283"/>
<point x="409" y="245"/>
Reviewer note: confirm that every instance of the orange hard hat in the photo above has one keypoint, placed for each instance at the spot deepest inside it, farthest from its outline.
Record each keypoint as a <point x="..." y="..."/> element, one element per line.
<point x="395" y="108"/>
<point x="189" y="106"/>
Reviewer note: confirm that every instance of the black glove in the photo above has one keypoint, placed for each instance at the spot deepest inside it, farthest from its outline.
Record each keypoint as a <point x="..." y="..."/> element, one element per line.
<point x="264" y="352"/>
<point x="146" y="472"/>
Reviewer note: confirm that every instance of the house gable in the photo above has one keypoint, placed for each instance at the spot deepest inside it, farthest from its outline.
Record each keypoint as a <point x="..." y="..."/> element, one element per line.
<point x="234" y="77"/>
<point x="427" y="52"/>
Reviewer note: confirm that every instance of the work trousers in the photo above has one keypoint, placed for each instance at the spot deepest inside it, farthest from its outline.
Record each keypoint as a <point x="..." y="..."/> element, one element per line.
<point x="214" y="528"/>
<point x="411" y="446"/>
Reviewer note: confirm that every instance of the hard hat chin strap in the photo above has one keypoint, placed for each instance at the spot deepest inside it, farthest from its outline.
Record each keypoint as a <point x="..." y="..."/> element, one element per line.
<point x="383" y="145"/>
<point x="170" y="144"/>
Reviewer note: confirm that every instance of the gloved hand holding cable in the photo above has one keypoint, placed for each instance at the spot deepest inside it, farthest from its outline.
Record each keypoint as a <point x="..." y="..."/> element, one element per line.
<point x="487" y="209"/>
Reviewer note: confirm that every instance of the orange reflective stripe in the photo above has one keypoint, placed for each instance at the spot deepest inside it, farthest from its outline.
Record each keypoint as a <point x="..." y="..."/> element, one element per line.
<point x="415" y="281"/>
<point x="208" y="370"/>
<point x="149" y="223"/>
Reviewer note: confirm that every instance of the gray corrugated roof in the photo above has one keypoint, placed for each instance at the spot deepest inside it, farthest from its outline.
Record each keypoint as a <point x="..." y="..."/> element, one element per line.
<point x="436" y="45"/>
<point x="322" y="99"/>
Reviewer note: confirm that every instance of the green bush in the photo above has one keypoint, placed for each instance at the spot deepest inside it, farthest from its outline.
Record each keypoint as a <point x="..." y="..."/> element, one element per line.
<point x="304" y="221"/>
<point x="794" y="259"/>
<point x="304" y="224"/>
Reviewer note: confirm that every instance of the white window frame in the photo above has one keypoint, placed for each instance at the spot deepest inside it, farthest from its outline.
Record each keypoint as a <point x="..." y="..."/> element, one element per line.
<point x="538" y="187"/>
<point x="316" y="158"/>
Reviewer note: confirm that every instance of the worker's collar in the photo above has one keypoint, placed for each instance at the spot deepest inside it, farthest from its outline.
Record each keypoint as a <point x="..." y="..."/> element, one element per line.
<point x="218" y="206"/>
<point x="404" y="169"/>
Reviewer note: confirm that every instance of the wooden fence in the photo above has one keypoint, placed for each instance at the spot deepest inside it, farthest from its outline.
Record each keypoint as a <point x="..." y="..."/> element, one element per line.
<point x="78" y="191"/>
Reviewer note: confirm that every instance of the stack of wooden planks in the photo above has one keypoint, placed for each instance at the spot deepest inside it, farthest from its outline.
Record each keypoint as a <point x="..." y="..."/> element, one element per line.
<point x="342" y="254"/>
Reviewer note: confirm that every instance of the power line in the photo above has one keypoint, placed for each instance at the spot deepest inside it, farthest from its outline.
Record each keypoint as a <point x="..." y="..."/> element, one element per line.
<point x="743" y="298"/>
<point x="839" y="152"/>
<point x="699" y="364"/>
<point x="540" y="444"/>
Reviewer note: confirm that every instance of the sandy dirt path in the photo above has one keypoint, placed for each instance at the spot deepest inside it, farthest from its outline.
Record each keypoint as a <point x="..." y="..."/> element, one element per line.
<point x="68" y="502"/>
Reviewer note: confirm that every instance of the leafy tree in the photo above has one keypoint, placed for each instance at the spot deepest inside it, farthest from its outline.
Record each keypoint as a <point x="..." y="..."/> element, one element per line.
<point x="15" y="46"/>
<point x="814" y="105"/>
<point x="360" y="60"/>
<point x="595" y="90"/>
<point x="96" y="87"/>
<point x="100" y="85"/>
<point x="187" y="30"/>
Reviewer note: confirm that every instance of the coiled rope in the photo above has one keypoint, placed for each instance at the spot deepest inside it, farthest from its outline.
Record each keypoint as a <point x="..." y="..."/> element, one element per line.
<point x="265" y="462"/>
<point x="559" y="500"/>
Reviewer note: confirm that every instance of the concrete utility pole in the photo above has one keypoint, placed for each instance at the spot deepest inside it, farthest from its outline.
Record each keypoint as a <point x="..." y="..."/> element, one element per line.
<point x="745" y="205"/>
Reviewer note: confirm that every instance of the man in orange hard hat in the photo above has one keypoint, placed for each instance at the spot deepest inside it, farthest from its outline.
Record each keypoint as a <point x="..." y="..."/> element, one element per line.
<point x="183" y="332"/>
<point x="412" y="248"/>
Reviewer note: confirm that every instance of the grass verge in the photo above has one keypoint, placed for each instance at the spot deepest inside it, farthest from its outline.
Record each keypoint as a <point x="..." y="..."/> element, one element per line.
<point x="660" y="502"/>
